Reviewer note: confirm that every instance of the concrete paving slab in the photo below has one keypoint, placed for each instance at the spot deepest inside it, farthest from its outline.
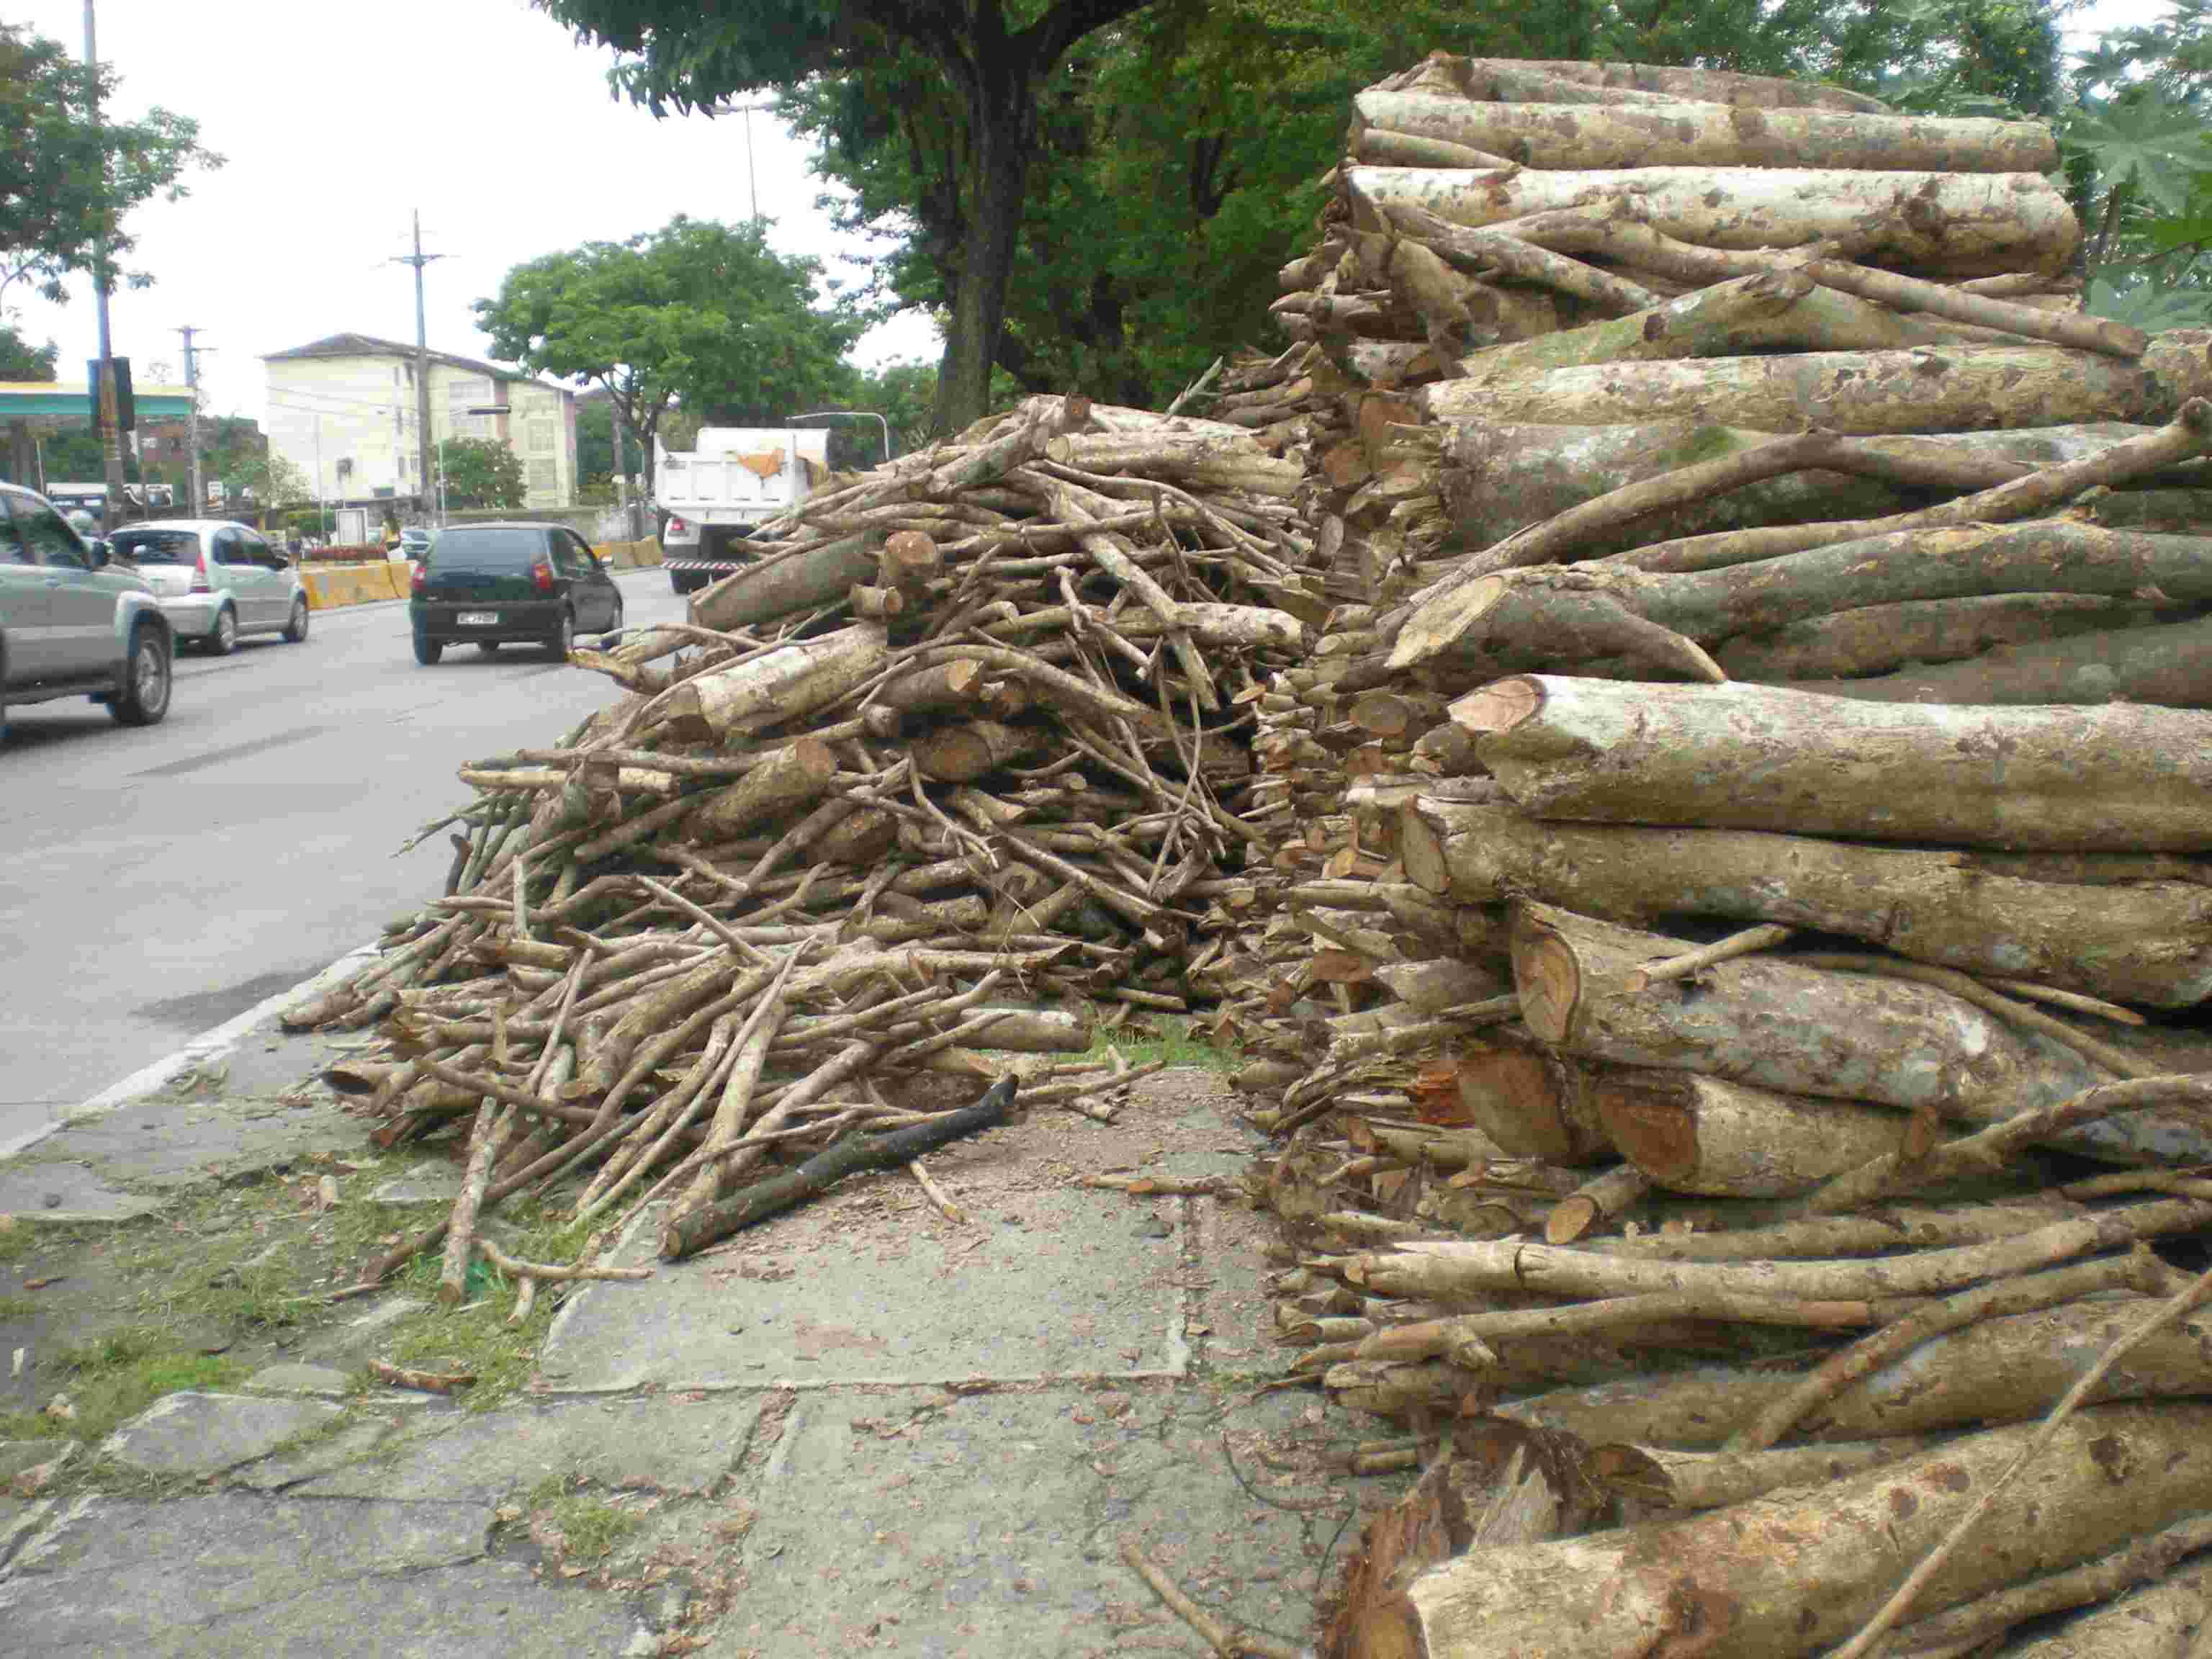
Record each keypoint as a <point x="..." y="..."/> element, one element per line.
<point x="915" y="1524"/>
<point x="67" y="1192"/>
<point x="1233" y="1322"/>
<point x="1049" y="1282"/>
<point x="162" y="1141"/>
<point x="282" y="1470"/>
<point x="218" y="1576"/>
<point x="196" y="1433"/>
<point x="318" y="1380"/>
<point x="670" y="1445"/>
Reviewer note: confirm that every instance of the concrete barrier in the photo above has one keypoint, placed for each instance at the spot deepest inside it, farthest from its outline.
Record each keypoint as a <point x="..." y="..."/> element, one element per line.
<point x="331" y="586"/>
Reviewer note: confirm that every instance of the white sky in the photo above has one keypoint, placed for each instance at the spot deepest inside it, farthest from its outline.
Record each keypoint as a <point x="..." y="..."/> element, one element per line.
<point x="338" y="121"/>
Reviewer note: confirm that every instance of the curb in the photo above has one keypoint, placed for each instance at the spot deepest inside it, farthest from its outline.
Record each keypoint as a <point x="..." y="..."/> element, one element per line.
<point x="151" y="1080"/>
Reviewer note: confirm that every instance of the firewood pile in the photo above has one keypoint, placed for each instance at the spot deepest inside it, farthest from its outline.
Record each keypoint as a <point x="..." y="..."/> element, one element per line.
<point x="955" y="761"/>
<point x="1728" y="979"/>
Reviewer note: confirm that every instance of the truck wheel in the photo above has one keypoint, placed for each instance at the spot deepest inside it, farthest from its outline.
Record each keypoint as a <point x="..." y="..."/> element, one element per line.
<point x="144" y="697"/>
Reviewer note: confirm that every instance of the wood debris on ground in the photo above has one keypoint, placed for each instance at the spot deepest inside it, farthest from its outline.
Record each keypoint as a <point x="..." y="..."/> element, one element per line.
<point x="959" y="760"/>
<point x="1726" y="972"/>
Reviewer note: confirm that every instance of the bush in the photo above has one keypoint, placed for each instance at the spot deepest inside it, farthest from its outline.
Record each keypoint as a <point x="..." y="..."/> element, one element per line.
<point x="362" y="555"/>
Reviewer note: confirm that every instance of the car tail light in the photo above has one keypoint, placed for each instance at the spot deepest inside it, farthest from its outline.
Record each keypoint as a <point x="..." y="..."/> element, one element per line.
<point x="415" y="578"/>
<point x="542" y="574"/>
<point x="199" y="575"/>
<point x="678" y="525"/>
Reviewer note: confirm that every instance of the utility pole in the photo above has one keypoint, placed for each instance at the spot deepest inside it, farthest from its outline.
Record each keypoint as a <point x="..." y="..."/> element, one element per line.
<point x="192" y="416"/>
<point x="110" y="431"/>
<point x="419" y="259"/>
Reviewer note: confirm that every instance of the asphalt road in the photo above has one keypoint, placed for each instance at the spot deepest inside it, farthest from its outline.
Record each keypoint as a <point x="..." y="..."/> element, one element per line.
<point x="155" y="882"/>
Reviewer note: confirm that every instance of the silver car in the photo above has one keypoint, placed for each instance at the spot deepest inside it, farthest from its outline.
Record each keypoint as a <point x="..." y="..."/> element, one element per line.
<point x="216" y="580"/>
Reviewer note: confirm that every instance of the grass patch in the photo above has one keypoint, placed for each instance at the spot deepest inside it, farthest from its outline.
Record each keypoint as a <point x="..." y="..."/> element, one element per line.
<point x="17" y="1238"/>
<point x="17" y="1310"/>
<point x="111" y="1380"/>
<point x="589" y="1527"/>
<point x="1178" y="1042"/>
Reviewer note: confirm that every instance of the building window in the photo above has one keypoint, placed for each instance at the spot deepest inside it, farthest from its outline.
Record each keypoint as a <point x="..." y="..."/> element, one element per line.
<point x="541" y="437"/>
<point x="544" y="479"/>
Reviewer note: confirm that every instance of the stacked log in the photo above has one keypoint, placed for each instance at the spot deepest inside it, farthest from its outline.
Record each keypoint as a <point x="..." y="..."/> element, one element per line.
<point x="954" y="762"/>
<point x="1733" y="1011"/>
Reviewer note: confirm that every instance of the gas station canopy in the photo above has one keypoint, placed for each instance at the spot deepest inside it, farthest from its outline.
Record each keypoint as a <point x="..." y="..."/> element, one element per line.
<point x="49" y="402"/>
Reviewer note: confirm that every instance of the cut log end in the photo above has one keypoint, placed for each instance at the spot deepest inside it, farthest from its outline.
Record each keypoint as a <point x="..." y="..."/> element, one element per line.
<point x="1549" y="982"/>
<point x="1498" y="707"/>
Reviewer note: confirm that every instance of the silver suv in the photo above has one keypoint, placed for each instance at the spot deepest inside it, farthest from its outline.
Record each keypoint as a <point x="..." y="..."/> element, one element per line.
<point x="70" y="624"/>
<point x="216" y="580"/>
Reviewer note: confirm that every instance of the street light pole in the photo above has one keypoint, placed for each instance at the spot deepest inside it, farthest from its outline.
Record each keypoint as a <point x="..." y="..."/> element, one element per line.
<point x="192" y="417"/>
<point x="111" y="432"/>
<point x="419" y="259"/>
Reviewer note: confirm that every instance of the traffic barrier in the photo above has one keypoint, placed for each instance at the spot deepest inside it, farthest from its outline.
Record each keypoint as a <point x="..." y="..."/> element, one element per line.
<point x="332" y="586"/>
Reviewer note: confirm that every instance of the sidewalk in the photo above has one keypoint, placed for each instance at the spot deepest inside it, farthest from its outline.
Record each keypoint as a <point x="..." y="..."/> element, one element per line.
<point x="864" y="1426"/>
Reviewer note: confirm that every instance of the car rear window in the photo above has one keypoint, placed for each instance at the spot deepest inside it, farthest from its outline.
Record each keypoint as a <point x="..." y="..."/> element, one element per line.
<point x="488" y="549"/>
<point x="156" y="546"/>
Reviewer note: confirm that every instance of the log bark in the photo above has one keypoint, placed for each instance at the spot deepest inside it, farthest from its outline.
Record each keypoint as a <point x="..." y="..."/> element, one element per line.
<point x="1571" y="136"/>
<point x="2162" y="1620"/>
<point x="788" y="683"/>
<point x="1535" y="80"/>
<point x="1938" y="223"/>
<point x="1755" y="757"/>
<point x="795" y="776"/>
<point x="2169" y="665"/>
<point x="1927" y="389"/>
<point x="1730" y="1583"/>
<point x="1705" y="1134"/>
<point x="1487" y="252"/>
<point x="1964" y="1628"/>
<point x="2149" y="942"/>
<point x="1798" y="1030"/>
<point x="1662" y="1477"/>
<point x="858" y="839"/>
<point x="947" y="685"/>
<point x="786" y="585"/>
<point x="1876" y="639"/>
<point x="1602" y="1201"/>
<point x="1533" y="1103"/>
<point x="2084" y="333"/>
<point x="960" y="754"/>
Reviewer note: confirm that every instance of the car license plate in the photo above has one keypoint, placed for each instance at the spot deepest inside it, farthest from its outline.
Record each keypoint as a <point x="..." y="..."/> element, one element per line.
<point x="479" y="619"/>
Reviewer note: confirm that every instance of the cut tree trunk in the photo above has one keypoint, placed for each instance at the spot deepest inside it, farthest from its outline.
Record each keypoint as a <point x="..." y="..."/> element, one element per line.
<point x="1732" y="1583"/>
<point x="1950" y="224"/>
<point x="2163" y="1620"/>
<point x="1927" y="389"/>
<point x="2118" y="779"/>
<point x="1532" y="1102"/>
<point x="1494" y="252"/>
<point x="2150" y="942"/>
<point x="796" y="775"/>
<point x="1705" y="1134"/>
<point x="2169" y="665"/>
<point x="787" y="683"/>
<point x="960" y="754"/>
<point x="1545" y="81"/>
<point x="1576" y="137"/>
<point x="786" y="585"/>
<point x="1662" y="1478"/>
<point x="1908" y="293"/>
<point x="1875" y="639"/>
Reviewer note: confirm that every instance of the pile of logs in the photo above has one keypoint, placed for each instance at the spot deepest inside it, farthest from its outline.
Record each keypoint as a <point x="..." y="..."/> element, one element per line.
<point x="1729" y="975"/>
<point x="955" y="761"/>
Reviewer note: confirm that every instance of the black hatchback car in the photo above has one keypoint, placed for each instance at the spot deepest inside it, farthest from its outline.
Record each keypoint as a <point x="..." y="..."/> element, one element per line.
<point x="495" y="584"/>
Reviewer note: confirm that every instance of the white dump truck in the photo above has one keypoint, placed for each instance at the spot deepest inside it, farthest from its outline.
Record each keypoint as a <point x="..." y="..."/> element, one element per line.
<point x="710" y="499"/>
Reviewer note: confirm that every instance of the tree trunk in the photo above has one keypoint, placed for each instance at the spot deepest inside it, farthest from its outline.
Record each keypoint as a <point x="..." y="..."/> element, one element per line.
<point x="960" y="754"/>
<point x="2118" y="779"/>
<point x="1571" y="137"/>
<point x="1945" y="224"/>
<point x="1738" y="1582"/>
<point x="2170" y="665"/>
<point x="1533" y="1103"/>
<point x="2067" y="328"/>
<point x="2150" y="942"/>
<point x="2162" y="1620"/>
<point x="1704" y="1135"/>
<point x="1499" y="254"/>
<point x="1542" y="81"/>
<point x="797" y="774"/>
<point x="1001" y="85"/>
<point x="785" y="584"/>
<point x="1660" y="1477"/>
<point x="792" y="680"/>
<point x="1927" y="389"/>
<point x="1878" y="638"/>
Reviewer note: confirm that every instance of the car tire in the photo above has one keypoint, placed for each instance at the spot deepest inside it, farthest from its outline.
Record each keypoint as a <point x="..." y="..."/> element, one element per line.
<point x="487" y="647"/>
<point x="564" y="640"/>
<point x="296" y="631"/>
<point x="222" y="639"/>
<point x="427" y="652"/>
<point x="144" y="697"/>
<point x="615" y="627"/>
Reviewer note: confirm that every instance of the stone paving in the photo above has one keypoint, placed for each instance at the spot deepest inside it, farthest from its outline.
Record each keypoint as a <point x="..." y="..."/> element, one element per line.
<point x="864" y="1426"/>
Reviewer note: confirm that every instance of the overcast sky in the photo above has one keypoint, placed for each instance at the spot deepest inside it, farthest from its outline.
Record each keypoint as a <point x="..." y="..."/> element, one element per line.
<point x="339" y="122"/>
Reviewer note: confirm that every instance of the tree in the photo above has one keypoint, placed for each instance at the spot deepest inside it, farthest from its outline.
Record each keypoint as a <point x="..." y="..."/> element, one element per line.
<point x="482" y="472"/>
<point x="697" y="310"/>
<point x="22" y="361"/>
<point x="68" y="177"/>
<point x="595" y="440"/>
<point x="990" y="64"/>
<point x="274" y="481"/>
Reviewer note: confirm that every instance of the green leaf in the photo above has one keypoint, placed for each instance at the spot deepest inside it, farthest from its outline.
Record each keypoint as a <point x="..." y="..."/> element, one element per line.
<point x="2145" y="139"/>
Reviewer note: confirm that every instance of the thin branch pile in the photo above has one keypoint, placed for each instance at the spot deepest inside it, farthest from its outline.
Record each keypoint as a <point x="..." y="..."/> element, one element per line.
<point x="954" y="760"/>
<point x="1728" y="975"/>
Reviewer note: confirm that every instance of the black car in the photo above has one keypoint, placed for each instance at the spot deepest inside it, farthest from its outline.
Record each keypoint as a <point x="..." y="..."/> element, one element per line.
<point x="495" y="584"/>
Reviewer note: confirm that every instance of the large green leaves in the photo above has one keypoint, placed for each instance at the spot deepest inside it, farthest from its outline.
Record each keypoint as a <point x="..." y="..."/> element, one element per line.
<point x="2146" y="141"/>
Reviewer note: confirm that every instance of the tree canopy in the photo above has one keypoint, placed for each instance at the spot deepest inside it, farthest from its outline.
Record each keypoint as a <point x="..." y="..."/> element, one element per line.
<point x="697" y="310"/>
<point x="990" y="61"/>
<point x="480" y="472"/>
<point x="22" y="361"/>
<point x="68" y="179"/>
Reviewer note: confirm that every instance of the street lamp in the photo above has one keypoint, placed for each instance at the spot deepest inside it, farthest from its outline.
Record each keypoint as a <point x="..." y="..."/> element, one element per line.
<point x="851" y="415"/>
<point x="753" y="181"/>
<point x="469" y="408"/>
